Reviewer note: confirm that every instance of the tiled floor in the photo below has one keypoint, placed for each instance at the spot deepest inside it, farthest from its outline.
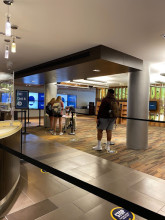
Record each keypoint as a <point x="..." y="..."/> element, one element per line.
<point x="43" y="196"/>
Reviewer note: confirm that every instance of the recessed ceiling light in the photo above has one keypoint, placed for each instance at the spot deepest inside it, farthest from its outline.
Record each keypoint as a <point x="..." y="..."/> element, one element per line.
<point x="163" y="35"/>
<point x="32" y="81"/>
<point x="96" y="70"/>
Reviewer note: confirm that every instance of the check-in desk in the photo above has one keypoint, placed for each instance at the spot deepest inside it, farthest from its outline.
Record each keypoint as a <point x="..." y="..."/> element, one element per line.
<point x="10" y="136"/>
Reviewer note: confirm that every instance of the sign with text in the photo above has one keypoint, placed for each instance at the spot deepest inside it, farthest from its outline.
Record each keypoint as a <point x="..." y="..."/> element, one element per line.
<point x="22" y="99"/>
<point x="119" y="213"/>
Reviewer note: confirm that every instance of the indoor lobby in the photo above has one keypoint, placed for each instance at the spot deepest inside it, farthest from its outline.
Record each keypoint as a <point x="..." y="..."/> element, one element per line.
<point x="78" y="50"/>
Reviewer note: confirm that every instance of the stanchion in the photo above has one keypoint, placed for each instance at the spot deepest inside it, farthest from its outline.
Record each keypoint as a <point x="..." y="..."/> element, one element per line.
<point x="39" y="118"/>
<point x="24" y="123"/>
<point x="28" y="122"/>
<point x="72" y="128"/>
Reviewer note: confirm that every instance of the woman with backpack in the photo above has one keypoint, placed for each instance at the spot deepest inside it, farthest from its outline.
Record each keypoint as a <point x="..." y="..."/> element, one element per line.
<point x="49" y="111"/>
<point x="58" y="108"/>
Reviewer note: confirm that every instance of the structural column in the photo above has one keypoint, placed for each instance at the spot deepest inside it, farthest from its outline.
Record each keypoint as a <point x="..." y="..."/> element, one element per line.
<point x="138" y="107"/>
<point x="50" y="92"/>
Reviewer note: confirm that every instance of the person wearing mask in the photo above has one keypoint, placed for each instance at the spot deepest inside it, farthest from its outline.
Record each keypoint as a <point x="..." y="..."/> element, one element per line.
<point x="106" y="119"/>
<point x="58" y="108"/>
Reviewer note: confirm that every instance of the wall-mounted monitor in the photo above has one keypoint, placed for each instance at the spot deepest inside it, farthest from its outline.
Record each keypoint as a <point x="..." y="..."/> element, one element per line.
<point x="152" y="105"/>
<point x="33" y="100"/>
<point x="22" y="99"/>
<point x="72" y="100"/>
<point x="5" y="98"/>
<point x="40" y="100"/>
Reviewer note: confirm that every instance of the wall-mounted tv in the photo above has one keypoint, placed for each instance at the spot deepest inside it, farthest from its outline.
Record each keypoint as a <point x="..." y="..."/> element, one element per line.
<point x="5" y="97"/>
<point x="40" y="100"/>
<point x="33" y="100"/>
<point x="36" y="100"/>
<point x="152" y="105"/>
<point x="72" y="100"/>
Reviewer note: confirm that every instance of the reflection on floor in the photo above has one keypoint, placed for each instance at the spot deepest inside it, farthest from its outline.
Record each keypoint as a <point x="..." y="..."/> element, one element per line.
<point x="150" y="161"/>
<point x="43" y="196"/>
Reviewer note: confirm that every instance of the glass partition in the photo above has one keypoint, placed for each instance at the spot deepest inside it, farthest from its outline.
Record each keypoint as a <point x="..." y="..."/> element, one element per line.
<point x="6" y="96"/>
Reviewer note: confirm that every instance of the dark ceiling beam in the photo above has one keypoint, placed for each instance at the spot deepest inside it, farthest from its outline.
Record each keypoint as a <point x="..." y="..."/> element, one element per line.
<point x="118" y="62"/>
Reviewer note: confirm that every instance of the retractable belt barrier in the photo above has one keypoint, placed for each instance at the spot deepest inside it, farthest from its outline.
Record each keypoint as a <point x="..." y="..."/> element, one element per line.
<point x="137" y="209"/>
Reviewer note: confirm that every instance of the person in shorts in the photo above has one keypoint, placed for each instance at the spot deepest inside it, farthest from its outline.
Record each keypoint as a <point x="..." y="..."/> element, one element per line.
<point x="58" y="116"/>
<point x="51" y="116"/>
<point x="104" y="122"/>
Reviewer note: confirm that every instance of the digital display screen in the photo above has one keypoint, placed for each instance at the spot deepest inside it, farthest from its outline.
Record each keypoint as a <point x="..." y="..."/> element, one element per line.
<point x="152" y="105"/>
<point x="41" y="97"/>
<point x="33" y="100"/>
<point x="5" y="98"/>
<point x="72" y="100"/>
<point x="22" y="99"/>
<point x="40" y="105"/>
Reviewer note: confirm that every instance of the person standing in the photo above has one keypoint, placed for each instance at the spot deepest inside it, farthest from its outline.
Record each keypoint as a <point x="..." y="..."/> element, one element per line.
<point x="58" y="108"/>
<point x="106" y="120"/>
<point x="49" y="111"/>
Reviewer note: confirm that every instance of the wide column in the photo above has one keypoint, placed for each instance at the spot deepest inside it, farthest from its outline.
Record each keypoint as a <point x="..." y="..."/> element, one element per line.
<point x="138" y="107"/>
<point x="50" y="92"/>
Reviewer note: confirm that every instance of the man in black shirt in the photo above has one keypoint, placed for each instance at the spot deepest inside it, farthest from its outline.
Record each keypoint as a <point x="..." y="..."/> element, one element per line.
<point x="104" y="121"/>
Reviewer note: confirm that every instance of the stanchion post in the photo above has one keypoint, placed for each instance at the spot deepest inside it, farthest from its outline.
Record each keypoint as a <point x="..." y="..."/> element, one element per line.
<point x="39" y="118"/>
<point x="28" y="117"/>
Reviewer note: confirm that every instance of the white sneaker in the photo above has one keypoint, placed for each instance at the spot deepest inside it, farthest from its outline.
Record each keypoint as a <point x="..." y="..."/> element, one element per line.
<point x="112" y="143"/>
<point x="107" y="147"/>
<point x="61" y="133"/>
<point x="54" y="133"/>
<point x="97" y="148"/>
<point x="111" y="151"/>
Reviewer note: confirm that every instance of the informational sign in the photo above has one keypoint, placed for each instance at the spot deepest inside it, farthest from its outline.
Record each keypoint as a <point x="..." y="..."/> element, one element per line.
<point x="22" y="99"/>
<point x="119" y="213"/>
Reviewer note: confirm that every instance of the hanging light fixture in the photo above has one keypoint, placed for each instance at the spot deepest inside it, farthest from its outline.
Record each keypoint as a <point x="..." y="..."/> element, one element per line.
<point x="7" y="52"/>
<point x="13" y="46"/>
<point x="8" y="27"/>
<point x="7" y="49"/>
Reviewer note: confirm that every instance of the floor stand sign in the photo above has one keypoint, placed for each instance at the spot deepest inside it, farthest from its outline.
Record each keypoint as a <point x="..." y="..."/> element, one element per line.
<point x="119" y="213"/>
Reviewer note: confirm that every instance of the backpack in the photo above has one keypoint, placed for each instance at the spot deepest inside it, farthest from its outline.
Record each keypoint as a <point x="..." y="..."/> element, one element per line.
<point x="114" y="111"/>
<point x="48" y="108"/>
<point x="57" y="109"/>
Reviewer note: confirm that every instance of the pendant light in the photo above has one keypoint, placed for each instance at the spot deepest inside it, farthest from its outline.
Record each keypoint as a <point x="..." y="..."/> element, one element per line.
<point x="7" y="49"/>
<point x="7" y="52"/>
<point x="8" y="27"/>
<point x="13" y="46"/>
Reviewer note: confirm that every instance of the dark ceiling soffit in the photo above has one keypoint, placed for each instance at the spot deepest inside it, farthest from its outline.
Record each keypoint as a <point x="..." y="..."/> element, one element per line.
<point x="70" y="60"/>
<point x="123" y="59"/>
<point x="98" y="52"/>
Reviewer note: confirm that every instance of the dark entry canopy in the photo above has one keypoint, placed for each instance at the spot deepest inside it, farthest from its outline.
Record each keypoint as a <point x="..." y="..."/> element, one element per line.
<point x="82" y="64"/>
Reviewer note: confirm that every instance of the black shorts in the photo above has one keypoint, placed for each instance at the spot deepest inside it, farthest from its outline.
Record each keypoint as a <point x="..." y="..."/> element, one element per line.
<point x="51" y="114"/>
<point x="58" y="116"/>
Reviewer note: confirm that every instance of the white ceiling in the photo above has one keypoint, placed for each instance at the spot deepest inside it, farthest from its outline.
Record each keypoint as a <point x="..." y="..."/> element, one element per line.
<point x="50" y="29"/>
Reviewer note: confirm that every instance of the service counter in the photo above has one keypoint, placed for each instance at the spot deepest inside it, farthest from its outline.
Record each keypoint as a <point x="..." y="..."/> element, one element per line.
<point x="10" y="136"/>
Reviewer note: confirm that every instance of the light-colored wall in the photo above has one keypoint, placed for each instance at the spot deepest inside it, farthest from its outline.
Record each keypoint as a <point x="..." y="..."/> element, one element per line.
<point x="84" y="96"/>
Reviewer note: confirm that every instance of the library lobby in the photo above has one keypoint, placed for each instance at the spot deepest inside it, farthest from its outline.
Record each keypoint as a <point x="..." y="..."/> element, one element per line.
<point x="81" y="49"/>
